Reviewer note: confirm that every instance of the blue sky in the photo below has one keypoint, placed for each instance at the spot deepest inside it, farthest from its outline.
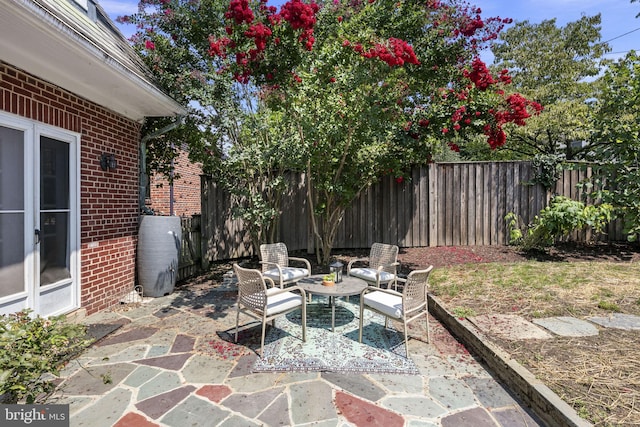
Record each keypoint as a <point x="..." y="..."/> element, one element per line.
<point x="618" y="16"/>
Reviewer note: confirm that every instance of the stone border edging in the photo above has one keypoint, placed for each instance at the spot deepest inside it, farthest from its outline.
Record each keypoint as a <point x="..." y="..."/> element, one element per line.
<point x="547" y="405"/>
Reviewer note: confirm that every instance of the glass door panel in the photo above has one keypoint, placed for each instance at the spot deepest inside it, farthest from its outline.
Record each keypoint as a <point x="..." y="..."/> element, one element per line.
<point x="12" y="212"/>
<point x="55" y="251"/>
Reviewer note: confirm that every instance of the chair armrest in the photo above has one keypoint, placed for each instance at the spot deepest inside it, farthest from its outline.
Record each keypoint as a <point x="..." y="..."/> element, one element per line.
<point x="354" y="261"/>
<point x="373" y="288"/>
<point x="393" y="264"/>
<point x="270" y="280"/>
<point x="304" y="260"/>
<point x="267" y="263"/>
<point x="294" y="288"/>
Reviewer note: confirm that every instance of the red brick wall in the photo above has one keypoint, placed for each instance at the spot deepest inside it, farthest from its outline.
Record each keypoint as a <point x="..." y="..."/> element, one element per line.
<point x="109" y="199"/>
<point x="186" y="189"/>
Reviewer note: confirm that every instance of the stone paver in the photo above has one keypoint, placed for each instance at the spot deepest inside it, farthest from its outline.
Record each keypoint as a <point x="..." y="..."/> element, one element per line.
<point x="131" y="335"/>
<point x="157" y="406"/>
<point x="97" y="380"/>
<point x="417" y="406"/>
<point x="161" y="383"/>
<point x="172" y="363"/>
<point x="196" y="412"/>
<point x="134" y="420"/>
<point x="476" y="417"/>
<point x="278" y="413"/>
<point x="183" y="343"/>
<point x="509" y="326"/>
<point x="357" y="385"/>
<point x="214" y="393"/>
<point x="311" y="401"/>
<point x="513" y="417"/>
<point x="567" y="326"/>
<point x="490" y="393"/>
<point x="251" y="404"/>
<point x="363" y="413"/>
<point x="141" y="375"/>
<point x="618" y="321"/>
<point x="451" y="393"/>
<point x="206" y="369"/>
<point x="106" y="411"/>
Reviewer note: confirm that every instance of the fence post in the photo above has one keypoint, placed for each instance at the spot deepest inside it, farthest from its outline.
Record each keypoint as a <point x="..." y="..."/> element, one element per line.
<point x="205" y="220"/>
<point x="433" y="204"/>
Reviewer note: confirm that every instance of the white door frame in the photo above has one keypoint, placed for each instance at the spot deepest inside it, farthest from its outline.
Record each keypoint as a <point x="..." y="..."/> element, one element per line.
<point x="63" y="296"/>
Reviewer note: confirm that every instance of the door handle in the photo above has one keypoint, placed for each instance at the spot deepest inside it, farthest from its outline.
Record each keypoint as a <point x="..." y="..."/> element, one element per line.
<point x="37" y="232"/>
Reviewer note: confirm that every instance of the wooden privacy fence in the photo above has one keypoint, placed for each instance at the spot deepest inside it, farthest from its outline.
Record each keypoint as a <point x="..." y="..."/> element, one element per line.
<point x="442" y="204"/>
<point x="190" y="261"/>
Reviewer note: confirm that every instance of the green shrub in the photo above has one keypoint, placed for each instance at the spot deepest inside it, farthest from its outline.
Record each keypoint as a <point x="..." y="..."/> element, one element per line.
<point x="34" y="346"/>
<point x="562" y="217"/>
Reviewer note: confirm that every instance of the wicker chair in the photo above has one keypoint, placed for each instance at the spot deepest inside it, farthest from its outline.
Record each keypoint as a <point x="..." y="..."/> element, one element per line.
<point x="260" y="302"/>
<point x="405" y="306"/>
<point x="381" y="265"/>
<point x="275" y="264"/>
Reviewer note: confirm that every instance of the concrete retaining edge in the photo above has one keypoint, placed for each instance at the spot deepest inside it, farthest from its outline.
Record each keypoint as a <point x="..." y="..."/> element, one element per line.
<point x="547" y="405"/>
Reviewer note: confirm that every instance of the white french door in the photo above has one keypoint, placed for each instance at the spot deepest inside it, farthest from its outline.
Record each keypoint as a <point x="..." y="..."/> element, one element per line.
<point x="39" y="217"/>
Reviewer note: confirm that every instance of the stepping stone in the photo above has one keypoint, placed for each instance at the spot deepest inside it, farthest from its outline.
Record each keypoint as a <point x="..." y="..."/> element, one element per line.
<point x="566" y="326"/>
<point x="627" y="322"/>
<point x="509" y="327"/>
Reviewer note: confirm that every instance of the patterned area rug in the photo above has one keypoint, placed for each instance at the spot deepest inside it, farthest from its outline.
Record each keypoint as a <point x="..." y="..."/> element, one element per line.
<point x="382" y="350"/>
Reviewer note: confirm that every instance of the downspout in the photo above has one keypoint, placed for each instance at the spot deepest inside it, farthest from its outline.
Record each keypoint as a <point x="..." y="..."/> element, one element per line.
<point x="142" y="184"/>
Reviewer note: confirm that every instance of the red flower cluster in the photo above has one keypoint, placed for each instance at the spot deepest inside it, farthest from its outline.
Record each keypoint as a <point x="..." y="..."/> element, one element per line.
<point x="458" y="114"/>
<point x="454" y="147"/>
<point x="517" y="110"/>
<point x="479" y="75"/>
<point x="505" y="77"/>
<point x="217" y="47"/>
<point x="301" y="16"/>
<point x="496" y="136"/>
<point x="471" y="26"/>
<point x="396" y="54"/>
<point x="307" y="37"/>
<point x="240" y="12"/>
<point x="259" y="33"/>
<point x="149" y="45"/>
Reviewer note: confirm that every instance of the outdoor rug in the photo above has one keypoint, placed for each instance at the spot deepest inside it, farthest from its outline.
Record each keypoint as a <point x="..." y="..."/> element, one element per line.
<point x="382" y="350"/>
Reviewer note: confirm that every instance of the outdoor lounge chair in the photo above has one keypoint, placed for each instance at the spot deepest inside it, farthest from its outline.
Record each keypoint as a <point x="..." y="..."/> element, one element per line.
<point x="261" y="302"/>
<point x="381" y="265"/>
<point x="275" y="264"/>
<point x="406" y="306"/>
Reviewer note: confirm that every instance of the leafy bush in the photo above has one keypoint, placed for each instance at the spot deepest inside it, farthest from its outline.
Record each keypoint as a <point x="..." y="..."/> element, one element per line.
<point x="548" y="168"/>
<point x="562" y="217"/>
<point x="32" y="347"/>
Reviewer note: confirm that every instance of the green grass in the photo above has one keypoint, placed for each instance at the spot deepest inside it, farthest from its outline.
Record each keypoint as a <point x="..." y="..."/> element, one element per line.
<point x="535" y="288"/>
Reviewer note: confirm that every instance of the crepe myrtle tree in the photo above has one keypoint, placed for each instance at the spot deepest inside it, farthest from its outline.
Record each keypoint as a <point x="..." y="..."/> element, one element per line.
<point x="359" y="89"/>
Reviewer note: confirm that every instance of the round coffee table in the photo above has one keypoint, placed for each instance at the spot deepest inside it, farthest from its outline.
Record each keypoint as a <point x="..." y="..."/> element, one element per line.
<point x="348" y="287"/>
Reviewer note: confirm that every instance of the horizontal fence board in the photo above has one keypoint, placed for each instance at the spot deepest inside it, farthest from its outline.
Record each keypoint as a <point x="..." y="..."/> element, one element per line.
<point x="442" y="204"/>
